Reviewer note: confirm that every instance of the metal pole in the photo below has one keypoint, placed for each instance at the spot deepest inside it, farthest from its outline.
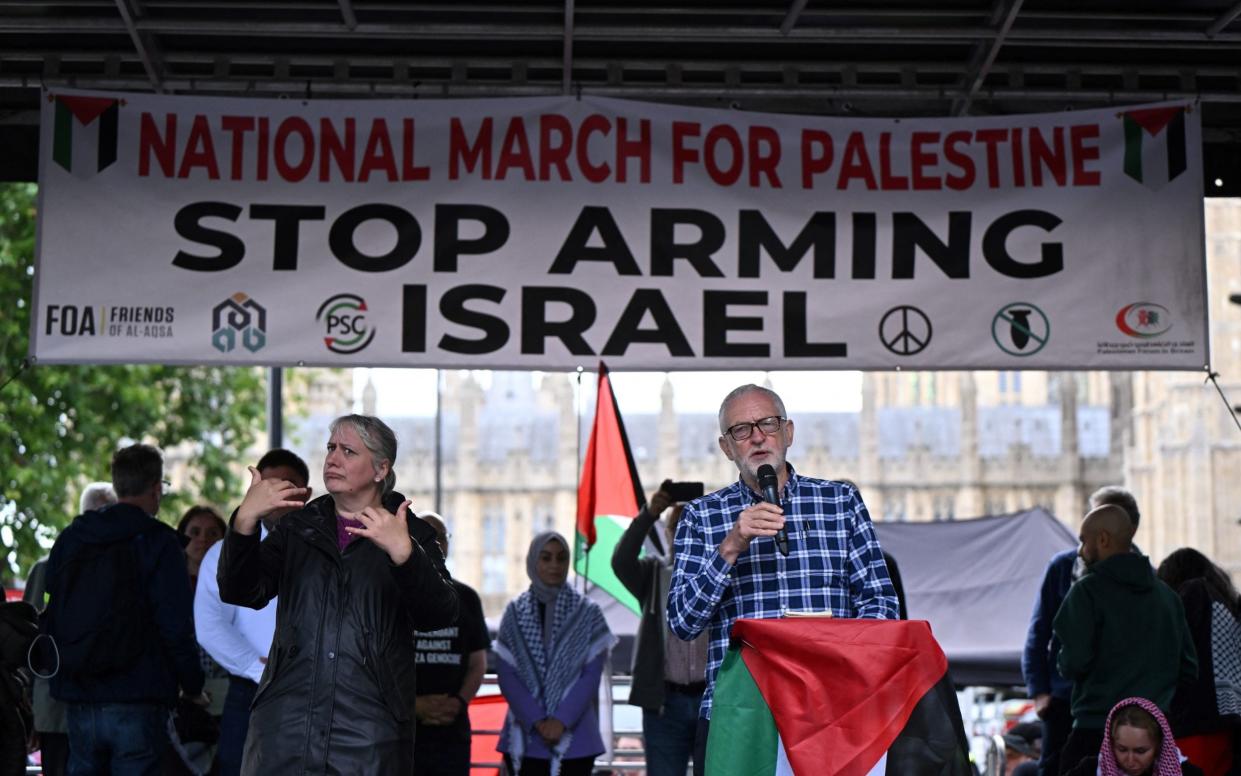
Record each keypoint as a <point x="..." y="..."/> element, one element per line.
<point x="586" y="576"/>
<point x="439" y="443"/>
<point x="275" y="408"/>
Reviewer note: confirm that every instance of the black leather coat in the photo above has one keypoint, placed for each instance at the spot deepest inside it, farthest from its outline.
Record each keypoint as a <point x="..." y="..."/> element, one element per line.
<point x="337" y="696"/>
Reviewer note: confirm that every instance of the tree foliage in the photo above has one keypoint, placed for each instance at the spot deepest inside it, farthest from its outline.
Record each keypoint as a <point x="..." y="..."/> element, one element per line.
<point x="59" y="425"/>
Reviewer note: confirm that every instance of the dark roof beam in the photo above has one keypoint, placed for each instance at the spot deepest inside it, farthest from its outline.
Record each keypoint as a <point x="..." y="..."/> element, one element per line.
<point x="567" y="65"/>
<point x="674" y="87"/>
<point x="346" y="13"/>
<point x="985" y="54"/>
<point x="1048" y="35"/>
<point x="144" y="43"/>
<point x="790" y="18"/>
<point x="1225" y="19"/>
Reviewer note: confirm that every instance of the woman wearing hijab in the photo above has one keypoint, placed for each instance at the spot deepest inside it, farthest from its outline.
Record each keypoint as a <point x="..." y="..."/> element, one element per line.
<point x="1137" y="741"/>
<point x="356" y="574"/>
<point x="552" y="647"/>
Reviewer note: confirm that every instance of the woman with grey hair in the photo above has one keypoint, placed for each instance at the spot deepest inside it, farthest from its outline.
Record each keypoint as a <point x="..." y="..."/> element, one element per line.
<point x="356" y="573"/>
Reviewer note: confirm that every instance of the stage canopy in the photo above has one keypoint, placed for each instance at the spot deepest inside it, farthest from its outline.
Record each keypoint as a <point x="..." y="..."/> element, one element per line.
<point x="975" y="582"/>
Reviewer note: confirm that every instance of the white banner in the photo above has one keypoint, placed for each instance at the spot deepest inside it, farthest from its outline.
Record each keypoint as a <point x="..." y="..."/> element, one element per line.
<point x="546" y="233"/>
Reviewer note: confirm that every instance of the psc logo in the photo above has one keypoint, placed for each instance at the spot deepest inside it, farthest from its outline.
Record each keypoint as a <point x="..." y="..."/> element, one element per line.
<point x="345" y="328"/>
<point x="1143" y="320"/>
<point x="239" y="314"/>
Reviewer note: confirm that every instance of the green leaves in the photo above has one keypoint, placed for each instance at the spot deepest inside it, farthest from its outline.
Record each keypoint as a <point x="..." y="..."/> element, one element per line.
<point x="59" y="425"/>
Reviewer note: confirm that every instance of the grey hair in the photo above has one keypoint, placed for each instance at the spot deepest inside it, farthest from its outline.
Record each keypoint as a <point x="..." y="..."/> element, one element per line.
<point x="97" y="495"/>
<point x="1119" y="497"/>
<point x="378" y="438"/>
<point x="737" y="393"/>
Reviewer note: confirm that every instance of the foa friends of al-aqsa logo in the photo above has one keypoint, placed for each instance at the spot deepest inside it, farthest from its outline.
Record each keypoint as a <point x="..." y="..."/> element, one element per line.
<point x="122" y="321"/>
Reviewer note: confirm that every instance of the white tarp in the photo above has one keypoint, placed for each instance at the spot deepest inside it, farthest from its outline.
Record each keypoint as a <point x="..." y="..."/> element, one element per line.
<point x="546" y="233"/>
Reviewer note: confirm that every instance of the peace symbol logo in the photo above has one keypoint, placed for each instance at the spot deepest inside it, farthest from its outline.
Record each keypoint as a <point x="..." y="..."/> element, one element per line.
<point x="905" y="330"/>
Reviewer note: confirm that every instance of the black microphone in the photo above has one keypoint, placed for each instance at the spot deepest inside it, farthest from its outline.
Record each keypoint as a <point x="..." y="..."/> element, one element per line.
<point x="768" y="483"/>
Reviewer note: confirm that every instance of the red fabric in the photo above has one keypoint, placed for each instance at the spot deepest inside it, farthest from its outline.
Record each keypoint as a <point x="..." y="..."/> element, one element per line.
<point x="86" y="109"/>
<point x="486" y="713"/>
<point x="1211" y="752"/>
<point x="608" y="485"/>
<point x="840" y="691"/>
<point x="1153" y="120"/>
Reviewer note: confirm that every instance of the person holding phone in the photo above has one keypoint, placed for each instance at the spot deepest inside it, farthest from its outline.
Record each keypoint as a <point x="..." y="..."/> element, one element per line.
<point x="669" y="675"/>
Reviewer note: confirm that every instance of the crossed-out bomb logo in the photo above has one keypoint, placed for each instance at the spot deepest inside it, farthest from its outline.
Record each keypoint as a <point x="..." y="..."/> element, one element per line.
<point x="238" y="315"/>
<point x="344" y="318"/>
<point x="1143" y="320"/>
<point x="1020" y="329"/>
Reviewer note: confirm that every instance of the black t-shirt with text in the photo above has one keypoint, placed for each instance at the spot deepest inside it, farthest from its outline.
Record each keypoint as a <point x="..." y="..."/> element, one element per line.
<point x="442" y="656"/>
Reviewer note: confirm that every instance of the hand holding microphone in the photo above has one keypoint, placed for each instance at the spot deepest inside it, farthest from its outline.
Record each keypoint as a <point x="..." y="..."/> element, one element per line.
<point x="764" y="518"/>
<point x="770" y="485"/>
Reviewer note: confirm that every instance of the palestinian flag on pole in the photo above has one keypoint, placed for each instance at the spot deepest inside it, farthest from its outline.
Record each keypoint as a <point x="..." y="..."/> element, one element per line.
<point x="813" y="697"/>
<point x="608" y="496"/>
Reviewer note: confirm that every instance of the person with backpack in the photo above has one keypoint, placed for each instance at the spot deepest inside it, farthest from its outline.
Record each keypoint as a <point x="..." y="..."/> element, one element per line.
<point x="119" y="610"/>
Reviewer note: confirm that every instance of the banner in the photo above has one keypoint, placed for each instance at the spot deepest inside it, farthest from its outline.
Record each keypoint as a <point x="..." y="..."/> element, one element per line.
<point x="547" y="233"/>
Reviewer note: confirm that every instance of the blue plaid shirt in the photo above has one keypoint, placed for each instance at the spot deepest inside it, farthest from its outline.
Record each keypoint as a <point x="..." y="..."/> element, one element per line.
<point x="834" y="563"/>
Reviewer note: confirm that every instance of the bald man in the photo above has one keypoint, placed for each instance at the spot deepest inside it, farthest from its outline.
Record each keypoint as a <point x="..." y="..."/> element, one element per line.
<point x="1122" y="632"/>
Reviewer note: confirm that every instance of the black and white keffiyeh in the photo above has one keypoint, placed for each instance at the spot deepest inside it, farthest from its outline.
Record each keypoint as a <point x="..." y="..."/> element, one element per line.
<point x="579" y="634"/>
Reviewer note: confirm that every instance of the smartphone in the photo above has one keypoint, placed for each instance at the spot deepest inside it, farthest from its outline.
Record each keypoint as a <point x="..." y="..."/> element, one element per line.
<point x="682" y="492"/>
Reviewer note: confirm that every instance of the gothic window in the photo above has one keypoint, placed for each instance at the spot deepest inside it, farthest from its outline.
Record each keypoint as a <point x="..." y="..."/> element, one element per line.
<point x="495" y="571"/>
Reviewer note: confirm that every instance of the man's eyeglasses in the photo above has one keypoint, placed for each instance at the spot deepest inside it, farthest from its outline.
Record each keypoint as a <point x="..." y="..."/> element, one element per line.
<point x="742" y="431"/>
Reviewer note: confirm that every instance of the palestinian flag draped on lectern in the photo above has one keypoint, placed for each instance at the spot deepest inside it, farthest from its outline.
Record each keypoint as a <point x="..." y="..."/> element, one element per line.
<point x="813" y="697"/>
<point x="608" y="496"/>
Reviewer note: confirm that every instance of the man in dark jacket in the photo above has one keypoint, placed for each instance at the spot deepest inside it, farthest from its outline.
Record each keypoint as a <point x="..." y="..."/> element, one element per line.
<point x="1122" y="633"/>
<point x="669" y="675"/>
<point x="1049" y="690"/>
<point x="118" y="719"/>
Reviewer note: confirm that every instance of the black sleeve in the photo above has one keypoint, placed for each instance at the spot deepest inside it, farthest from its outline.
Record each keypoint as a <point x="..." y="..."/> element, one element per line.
<point x="249" y="569"/>
<point x="625" y="562"/>
<point x="894" y="573"/>
<point x="473" y="624"/>
<point x="428" y="595"/>
<point x="173" y="606"/>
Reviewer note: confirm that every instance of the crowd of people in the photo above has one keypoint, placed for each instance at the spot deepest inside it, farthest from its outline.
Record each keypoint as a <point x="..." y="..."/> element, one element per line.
<point x="1134" y="669"/>
<point x="326" y="635"/>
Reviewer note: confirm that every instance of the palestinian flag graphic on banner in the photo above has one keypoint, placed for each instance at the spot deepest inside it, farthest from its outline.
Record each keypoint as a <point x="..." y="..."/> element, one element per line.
<point x="608" y="496"/>
<point x="813" y="697"/>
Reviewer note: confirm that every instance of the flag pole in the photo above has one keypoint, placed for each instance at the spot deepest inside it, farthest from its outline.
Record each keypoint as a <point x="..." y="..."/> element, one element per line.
<point x="585" y="577"/>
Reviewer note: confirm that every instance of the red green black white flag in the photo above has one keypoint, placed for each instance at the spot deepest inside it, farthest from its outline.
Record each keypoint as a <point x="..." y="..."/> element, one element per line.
<point x="811" y="697"/>
<point x="84" y="136"/>
<point x="609" y="494"/>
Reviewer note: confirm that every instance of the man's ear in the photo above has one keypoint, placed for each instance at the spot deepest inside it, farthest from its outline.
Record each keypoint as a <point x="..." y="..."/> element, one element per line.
<point x="728" y="453"/>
